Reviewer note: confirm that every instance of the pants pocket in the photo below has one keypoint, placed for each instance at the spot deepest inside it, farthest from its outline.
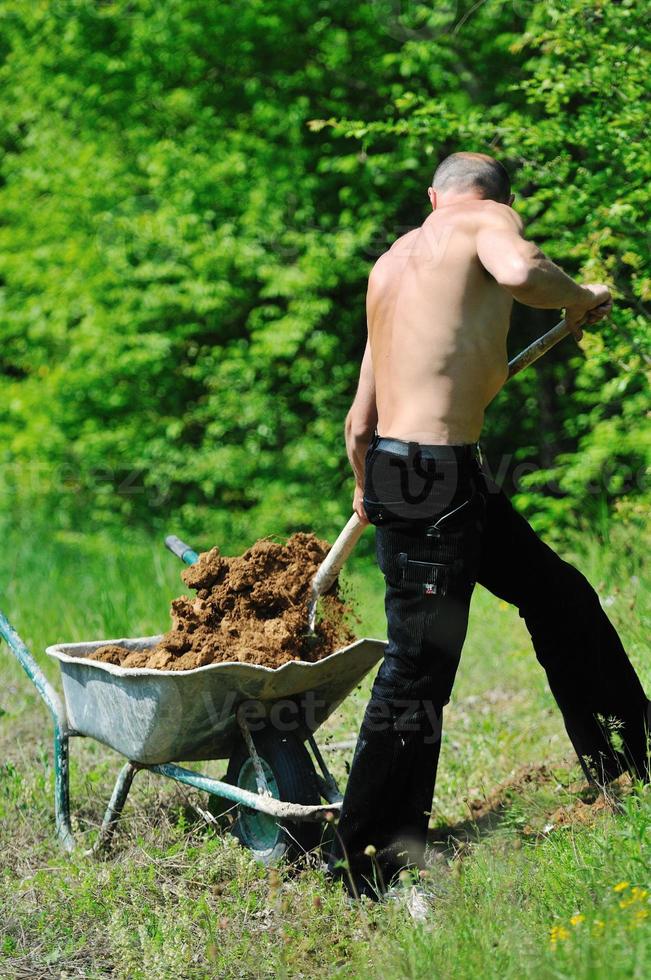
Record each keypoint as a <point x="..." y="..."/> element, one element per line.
<point x="381" y="512"/>
<point x="432" y="577"/>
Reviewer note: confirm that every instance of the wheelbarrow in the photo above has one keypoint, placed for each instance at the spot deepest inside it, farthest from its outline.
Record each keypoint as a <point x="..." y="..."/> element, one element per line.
<point x="262" y="720"/>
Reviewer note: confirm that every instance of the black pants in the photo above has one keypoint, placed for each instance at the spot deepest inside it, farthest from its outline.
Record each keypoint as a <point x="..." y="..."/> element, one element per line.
<point x="442" y="525"/>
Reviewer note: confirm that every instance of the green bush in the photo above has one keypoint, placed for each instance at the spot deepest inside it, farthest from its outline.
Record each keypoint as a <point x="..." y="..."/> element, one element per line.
<point x="186" y="227"/>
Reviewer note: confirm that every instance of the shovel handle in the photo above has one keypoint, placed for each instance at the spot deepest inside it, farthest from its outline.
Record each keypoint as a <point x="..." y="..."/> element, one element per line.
<point x="538" y="348"/>
<point x="334" y="562"/>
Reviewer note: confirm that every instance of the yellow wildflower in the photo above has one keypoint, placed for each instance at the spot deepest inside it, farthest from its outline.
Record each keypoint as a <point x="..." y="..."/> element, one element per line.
<point x="620" y="886"/>
<point x="557" y="934"/>
<point x="576" y="919"/>
<point x="635" y="895"/>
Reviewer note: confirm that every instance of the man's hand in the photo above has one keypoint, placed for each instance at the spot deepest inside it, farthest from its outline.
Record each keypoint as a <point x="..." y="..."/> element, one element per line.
<point x="358" y="504"/>
<point x="596" y="305"/>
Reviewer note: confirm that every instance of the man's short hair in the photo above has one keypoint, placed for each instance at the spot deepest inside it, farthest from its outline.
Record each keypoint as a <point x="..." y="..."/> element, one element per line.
<point x="473" y="171"/>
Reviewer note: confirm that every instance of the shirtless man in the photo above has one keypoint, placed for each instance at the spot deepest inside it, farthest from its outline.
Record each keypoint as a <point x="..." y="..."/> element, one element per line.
<point x="438" y="309"/>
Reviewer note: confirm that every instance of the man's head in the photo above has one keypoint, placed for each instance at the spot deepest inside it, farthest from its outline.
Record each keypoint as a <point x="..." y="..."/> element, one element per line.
<point x="470" y="175"/>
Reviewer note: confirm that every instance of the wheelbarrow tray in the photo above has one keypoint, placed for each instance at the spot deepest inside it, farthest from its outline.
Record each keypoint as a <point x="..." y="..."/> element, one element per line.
<point x="158" y="716"/>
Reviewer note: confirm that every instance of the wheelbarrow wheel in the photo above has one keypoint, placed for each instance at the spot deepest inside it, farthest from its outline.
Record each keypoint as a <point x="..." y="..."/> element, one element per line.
<point x="291" y="777"/>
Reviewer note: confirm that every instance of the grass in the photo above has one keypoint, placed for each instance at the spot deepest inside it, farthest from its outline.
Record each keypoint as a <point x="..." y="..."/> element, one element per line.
<point x="528" y="879"/>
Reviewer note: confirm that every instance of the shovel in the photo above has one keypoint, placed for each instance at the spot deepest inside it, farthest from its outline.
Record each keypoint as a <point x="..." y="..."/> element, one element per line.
<point x="538" y="348"/>
<point x="333" y="563"/>
<point x="343" y="546"/>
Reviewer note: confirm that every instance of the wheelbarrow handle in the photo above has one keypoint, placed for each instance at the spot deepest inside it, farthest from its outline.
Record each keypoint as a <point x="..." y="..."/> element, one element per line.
<point x="334" y="562"/>
<point x="62" y="731"/>
<point x="181" y="549"/>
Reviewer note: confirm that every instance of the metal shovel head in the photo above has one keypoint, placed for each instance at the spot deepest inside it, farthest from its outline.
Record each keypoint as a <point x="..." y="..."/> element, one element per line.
<point x="155" y="716"/>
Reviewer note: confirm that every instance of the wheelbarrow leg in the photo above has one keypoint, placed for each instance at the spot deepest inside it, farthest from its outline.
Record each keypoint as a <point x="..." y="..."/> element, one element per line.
<point x="327" y="782"/>
<point x="260" y="778"/>
<point x="62" y="788"/>
<point x="116" y="805"/>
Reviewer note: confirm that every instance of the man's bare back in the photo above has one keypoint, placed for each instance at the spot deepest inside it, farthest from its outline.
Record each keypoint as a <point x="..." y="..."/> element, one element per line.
<point x="438" y="309"/>
<point x="437" y="324"/>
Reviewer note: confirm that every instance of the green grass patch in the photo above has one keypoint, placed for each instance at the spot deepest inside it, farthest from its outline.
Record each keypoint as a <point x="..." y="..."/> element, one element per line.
<point x="528" y="878"/>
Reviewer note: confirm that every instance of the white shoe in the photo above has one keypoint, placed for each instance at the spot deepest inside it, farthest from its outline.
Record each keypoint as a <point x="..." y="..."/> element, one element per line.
<point x="417" y="904"/>
<point x="414" y="898"/>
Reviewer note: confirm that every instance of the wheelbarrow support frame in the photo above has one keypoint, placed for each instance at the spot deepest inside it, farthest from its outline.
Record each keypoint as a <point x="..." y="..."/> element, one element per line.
<point x="215" y="787"/>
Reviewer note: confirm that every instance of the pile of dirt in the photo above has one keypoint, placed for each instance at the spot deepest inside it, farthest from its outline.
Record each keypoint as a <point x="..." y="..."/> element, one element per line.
<point x="591" y="804"/>
<point x="582" y="804"/>
<point x="530" y="799"/>
<point x="252" y="608"/>
<point x="526" y="778"/>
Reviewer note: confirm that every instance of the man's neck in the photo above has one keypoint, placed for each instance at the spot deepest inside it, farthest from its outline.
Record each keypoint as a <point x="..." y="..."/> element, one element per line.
<point x="451" y="200"/>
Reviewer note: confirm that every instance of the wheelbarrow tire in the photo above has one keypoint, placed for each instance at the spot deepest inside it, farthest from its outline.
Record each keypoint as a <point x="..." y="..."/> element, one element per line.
<point x="291" y="777"/>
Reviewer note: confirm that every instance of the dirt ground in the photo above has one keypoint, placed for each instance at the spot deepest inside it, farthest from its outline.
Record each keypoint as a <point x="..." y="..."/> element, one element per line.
<point x="252" y="608"/>
<point x="584" y="803"/>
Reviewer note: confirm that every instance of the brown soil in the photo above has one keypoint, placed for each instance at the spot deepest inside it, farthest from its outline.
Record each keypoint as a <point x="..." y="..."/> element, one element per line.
<point x="252" y="608"/>
<point x="526" y="777"/>
<point x="591" y="805"/>
<point x="534" y="789"/>
<point x="583" y="803"/>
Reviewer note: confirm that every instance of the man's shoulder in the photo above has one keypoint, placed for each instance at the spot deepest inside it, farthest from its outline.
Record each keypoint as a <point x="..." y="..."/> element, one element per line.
<point x="492" y="214"/>
<point x="408" y="235"/>
<point x="400" y="246"/>
<point x="397" y="250"/>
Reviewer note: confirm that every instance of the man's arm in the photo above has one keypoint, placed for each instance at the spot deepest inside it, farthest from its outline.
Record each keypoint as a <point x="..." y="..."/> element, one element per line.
<point x="360" y="426"/>
<point x="532" y="278"/>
